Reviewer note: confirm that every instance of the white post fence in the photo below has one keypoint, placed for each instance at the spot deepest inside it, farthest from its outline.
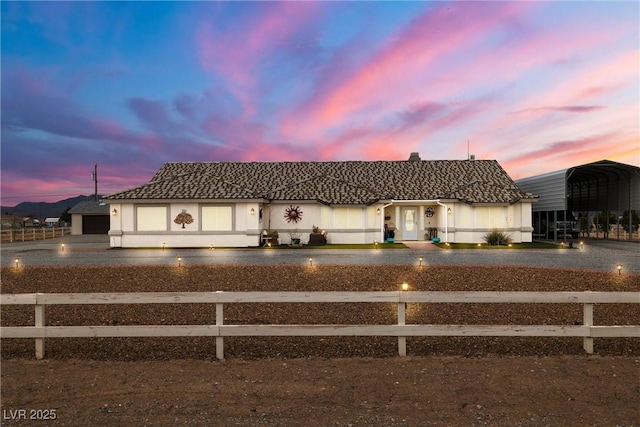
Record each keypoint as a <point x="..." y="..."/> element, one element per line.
<point x="588" y="331"/>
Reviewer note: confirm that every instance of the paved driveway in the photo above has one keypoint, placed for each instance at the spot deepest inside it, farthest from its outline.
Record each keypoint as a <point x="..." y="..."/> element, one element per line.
<point x="94" y="250"/>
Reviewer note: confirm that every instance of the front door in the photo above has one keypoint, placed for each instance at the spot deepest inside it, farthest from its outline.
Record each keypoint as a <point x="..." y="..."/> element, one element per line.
<point x="410" y="223"/>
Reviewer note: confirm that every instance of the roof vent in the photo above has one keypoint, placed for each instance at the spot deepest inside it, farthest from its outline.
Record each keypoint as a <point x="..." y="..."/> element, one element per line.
<point x="472" y="157"/>
<point x="414" y="157"/>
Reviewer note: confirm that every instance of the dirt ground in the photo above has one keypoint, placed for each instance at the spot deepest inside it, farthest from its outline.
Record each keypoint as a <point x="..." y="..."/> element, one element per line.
<point x="350" y="381"/>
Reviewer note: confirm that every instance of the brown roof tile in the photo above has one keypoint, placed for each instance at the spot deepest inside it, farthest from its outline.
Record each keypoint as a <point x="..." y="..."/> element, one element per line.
<point x="350" y="182"/>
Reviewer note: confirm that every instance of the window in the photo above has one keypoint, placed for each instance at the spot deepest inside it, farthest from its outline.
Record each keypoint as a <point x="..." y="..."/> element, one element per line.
<point x="151" y="218"/>
<point x="217" y="218"/>
<point x="348" y="218"/>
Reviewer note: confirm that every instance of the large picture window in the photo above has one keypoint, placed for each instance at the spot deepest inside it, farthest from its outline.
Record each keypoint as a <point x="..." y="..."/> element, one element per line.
<point x="217" y="218"/>
<point x="348" y="218"/>
<point x="151" y="218"/>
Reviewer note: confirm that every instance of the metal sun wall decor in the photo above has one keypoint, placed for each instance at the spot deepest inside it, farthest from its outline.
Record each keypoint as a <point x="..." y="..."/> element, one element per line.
<point x="183" y="218"/>
<point x="293" y="214"/>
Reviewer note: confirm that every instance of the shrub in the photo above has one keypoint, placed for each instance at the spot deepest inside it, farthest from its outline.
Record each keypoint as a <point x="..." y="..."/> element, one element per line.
<point x="496" y="238"/>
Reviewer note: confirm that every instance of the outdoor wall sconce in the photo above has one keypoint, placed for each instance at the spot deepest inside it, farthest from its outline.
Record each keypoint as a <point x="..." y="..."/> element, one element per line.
<point x="449" y="211"/>
<point x="619" y="267"/>
<point x="378" y="211"/>
<point x="114" y="212"/>
<point x="252" y="211"/>
<point x="405" y="286"/>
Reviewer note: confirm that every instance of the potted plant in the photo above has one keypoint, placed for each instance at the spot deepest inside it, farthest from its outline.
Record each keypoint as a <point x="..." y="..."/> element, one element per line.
<point x="317" y="237"/>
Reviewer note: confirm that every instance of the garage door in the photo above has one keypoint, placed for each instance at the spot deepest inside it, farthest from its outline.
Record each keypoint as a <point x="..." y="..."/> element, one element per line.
<point x="95" y="224"/>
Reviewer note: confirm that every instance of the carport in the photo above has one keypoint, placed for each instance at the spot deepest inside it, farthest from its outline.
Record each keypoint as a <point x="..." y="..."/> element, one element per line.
<point x="599" y="199"/>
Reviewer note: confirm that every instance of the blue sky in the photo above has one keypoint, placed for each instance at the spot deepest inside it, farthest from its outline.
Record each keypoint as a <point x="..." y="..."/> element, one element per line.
<point x="538" y="86"/>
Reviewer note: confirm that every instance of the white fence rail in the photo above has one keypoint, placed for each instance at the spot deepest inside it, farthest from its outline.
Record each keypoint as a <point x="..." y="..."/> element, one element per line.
<point x="588" y="331"/>
<point x="32" y="234"/>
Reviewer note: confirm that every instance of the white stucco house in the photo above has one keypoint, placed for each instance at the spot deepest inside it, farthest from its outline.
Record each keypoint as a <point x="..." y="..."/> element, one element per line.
<point x="234" y="204"/>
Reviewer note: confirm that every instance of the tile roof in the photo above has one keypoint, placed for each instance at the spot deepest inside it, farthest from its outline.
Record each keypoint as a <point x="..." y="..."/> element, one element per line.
<point x="349" y="182"/>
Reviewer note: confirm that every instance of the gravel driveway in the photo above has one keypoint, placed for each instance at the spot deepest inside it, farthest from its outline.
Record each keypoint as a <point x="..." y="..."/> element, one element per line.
<point x="94" y="250"/>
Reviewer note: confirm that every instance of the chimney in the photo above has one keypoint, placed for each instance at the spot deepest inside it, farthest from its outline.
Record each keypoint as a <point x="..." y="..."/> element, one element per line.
<point x="414" y="157"/>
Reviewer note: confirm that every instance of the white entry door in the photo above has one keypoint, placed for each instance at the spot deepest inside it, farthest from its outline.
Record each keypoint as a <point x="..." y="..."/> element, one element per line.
<point x="410" y="223"/>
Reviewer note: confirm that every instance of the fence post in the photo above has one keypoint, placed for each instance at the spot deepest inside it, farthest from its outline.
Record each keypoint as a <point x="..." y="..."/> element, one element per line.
<point x="39" y="324"/>
<point x="402" y="341"/>
<point x="219" y="339"/>
<point x="587" y="342"/>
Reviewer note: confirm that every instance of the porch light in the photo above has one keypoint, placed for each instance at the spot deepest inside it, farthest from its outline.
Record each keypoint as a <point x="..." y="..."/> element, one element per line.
<point x="252" y="211"/>
<point x="449" y="211"/>
<point x="378" y="211"/>
<point x="114" y="212"/>
<point x="619" y="267"/>
<point x="405" y="286"/>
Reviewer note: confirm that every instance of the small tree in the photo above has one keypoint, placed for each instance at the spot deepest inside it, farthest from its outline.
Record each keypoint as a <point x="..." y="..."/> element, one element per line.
<point x="635" y="221"/>
<point x="496" y="238"/>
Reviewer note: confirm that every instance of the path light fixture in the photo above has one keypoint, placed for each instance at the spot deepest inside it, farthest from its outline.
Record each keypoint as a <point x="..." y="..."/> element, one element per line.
<point x="510" y="245"/>
<point x="17" y="263"/>
<point x="479" y="244"/>
<point x="163" y="245"/>
<point x="62" y="247"/>
<point x="310" y="262"/>
<point x="404" y="286"/>
<point x="581" y="245"/>
<point x="619" y="267"/>
<point x="210" y="247"/>
<point x="420" y="259"/>
<point x="447" y="245"/>
<point x="375" y="243"/>
<point x="179" y="261"/>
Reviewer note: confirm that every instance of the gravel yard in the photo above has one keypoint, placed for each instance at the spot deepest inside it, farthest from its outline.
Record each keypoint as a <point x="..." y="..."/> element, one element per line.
<point x="322" y="381"/>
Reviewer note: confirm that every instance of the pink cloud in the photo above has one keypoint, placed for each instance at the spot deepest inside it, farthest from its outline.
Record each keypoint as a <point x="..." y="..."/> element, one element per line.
<point x="237" y="55"/>
<point x="389" y="78"/>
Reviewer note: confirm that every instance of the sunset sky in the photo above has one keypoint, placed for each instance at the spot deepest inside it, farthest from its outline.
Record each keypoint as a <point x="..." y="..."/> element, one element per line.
<point x="538" y="86"/>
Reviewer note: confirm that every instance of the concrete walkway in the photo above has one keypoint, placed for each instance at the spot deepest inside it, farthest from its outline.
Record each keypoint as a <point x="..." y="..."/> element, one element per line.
<point x="94" y="250"/>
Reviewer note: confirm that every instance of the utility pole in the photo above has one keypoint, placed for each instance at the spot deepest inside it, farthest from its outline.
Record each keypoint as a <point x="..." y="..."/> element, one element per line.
<point x="94" y="177"/>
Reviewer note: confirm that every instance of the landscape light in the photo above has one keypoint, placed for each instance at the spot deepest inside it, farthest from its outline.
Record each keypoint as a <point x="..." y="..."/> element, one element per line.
<point x="619" y="267"/>
<point x="581" y="245"/>
<point x="163" y="245"/>
<point x="405" y="286"/>
<point x="420" y="259"/>
<point x="17" y="261"/>
<point x="179" y="261"/>
<point x="210" y="247"/>
<point x="375" y="244"/>
<point x="62" y="247"/>
<point x="310" y="262"/>
<point x="479" y="244"/>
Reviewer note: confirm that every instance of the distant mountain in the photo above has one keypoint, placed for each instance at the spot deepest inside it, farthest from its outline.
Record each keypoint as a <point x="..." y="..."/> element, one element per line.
<point x="44" y="209"/>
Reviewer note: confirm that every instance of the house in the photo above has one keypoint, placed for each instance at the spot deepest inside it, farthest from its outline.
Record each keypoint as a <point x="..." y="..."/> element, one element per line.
<point x="90" y="217"/>
<point x="589" y="200"/>
<point x="235" y="204"/>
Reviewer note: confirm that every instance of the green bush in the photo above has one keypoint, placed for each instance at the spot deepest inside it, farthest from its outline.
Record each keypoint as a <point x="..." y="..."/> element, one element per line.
<point x="496" y="238"/>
